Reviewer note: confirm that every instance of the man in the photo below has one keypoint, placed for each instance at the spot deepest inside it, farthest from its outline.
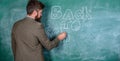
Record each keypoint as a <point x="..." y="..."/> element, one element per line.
<point x="28" y="35"/>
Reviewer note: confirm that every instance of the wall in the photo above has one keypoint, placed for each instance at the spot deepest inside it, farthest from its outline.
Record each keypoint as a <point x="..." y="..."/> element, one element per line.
<point x="93" y="28"/>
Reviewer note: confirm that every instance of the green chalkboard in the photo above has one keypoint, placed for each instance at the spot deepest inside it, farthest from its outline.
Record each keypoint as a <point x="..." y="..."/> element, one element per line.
<point x="93" y="28"/>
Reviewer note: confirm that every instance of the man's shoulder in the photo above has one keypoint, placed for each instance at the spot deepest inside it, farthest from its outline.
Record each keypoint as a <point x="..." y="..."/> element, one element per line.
<point x="19" y="21"/>
<point x="28" y="22"/>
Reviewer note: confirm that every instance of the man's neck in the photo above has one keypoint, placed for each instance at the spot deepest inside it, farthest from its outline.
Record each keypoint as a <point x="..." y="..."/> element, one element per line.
<point x="30" y="16"/>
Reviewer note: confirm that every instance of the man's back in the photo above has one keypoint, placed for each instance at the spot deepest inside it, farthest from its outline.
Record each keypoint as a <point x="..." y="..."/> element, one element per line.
<point x="28" y="40"/>
<point x="27" y="47"/>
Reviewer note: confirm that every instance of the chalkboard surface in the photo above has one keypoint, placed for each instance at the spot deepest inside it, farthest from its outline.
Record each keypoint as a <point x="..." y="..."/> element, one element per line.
<point x="93" y="28"/>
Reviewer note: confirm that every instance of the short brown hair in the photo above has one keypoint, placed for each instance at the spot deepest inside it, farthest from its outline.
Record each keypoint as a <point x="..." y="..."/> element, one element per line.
<point x="33" y="5"/>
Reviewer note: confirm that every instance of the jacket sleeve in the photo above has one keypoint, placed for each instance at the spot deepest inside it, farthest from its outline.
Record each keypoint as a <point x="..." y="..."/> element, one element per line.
<point x="42" y="37"/>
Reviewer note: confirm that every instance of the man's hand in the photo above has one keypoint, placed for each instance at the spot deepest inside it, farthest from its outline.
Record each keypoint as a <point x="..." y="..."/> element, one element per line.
<point x="62" y="36"/>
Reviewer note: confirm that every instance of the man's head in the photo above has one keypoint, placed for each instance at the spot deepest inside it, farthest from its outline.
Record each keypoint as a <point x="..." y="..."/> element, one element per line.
<point x="34" y="9"/>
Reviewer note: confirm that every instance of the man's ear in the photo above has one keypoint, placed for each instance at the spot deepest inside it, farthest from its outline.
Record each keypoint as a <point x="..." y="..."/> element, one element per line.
<point x="35" y="13"/>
